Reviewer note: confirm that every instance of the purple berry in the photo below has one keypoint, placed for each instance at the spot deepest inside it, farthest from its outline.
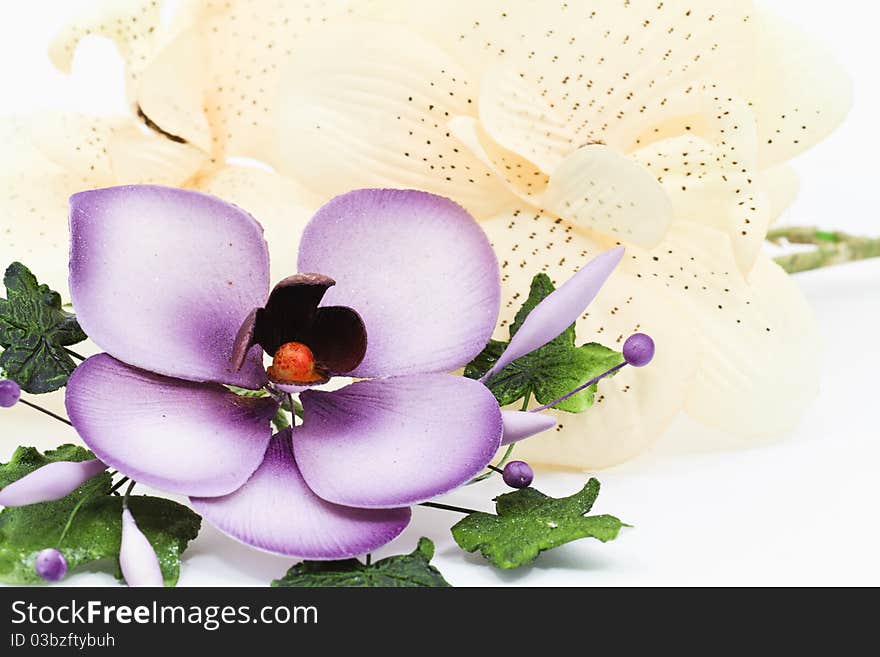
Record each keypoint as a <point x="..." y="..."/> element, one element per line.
<point x="10" y="393"/>
<point x="518" y="474"/>
<point x="638" y="350"/>
<point x="51" y="565"/>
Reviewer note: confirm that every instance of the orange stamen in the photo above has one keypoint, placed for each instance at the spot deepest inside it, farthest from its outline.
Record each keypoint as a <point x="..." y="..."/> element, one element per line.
<point x="294" y="362"/>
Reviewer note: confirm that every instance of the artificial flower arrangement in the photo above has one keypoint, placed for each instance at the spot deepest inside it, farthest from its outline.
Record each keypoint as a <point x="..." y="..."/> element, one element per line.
<point x="516" y="147"/>
<point x="396" y="288"/>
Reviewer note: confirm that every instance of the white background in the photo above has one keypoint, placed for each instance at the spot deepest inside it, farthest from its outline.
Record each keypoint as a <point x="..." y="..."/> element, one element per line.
<point x="800" y="510"/>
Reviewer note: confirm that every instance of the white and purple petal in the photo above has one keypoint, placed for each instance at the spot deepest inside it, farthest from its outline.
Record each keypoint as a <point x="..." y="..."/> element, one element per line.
<point x="162" y="279"/>
<point x="416" y="267"/>
<point x="559" y="310"/>
<point x="137" y="558"/>
<point x="398" y="441"/>
<point x="277" y="512"/>
<point x="519" y="425"/>
<point x="178" y="436"/>
<point x="50" y="482"/>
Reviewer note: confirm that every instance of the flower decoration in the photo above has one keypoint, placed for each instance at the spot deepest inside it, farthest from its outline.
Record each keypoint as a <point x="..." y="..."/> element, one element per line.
<point x="566" y="129"/>
<point x="396" y="308"/>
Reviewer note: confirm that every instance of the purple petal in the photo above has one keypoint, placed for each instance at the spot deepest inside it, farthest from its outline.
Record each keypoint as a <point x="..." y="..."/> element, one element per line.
<point x="398" y="441"/>
<point x="277" y="512"/>
<point x="416" y="267"/>
<point x="519" y="425"/>
<point x="50" y="482"/>
<point x="559" y="310"/>
<point x="163" y="278"/>
<point x="181" y="437"/>
<point x="137" y="558"/>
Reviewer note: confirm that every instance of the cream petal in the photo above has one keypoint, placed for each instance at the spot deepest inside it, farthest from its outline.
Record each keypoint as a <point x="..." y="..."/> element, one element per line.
<point x="611" y="69"/>
<point x="517" y="117"/>
<point x="139" y="155"/>
<point x="781" y="185"/>
<point x="704" y="188"/>
<point x="112" y="150"/>
<point x="799" y="93"/>
<point x="250" y="44"/>
<point x="759" y="340"/>
<point x="34" y="189"/>
<point x="600" y="189"/>
<point x="281" y="206"/>
<point x="519" y="176"/>
<point x="366" y="105"/>
<point x="135" y="26"/>
<point x="635" y="407"/>
<point x="171" y="90"/>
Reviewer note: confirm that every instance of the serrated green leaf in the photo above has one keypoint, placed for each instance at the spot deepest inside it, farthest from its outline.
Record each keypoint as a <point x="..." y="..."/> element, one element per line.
<point x="34" y="329"/>
<point x="404" y="570"/>
<point x="94" y="536"/>
<point x="529" y="522"/>
<point x="549" y="372"/>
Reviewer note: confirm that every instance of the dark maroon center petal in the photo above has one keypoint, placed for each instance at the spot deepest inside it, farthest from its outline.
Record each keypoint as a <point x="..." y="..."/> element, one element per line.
<point x="335" y="335"/>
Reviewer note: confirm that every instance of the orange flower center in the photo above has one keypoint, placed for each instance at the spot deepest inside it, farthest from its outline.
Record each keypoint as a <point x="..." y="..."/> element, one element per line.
<point x="294" y="362"/>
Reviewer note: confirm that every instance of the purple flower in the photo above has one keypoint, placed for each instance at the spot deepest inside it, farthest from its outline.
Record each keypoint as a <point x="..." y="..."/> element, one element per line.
<point x="398" y="288"/>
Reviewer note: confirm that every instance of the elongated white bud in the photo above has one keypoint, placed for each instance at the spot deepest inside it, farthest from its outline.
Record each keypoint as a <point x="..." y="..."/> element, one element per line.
<point x="137" y="558"/>
<point x="50" y="482"/>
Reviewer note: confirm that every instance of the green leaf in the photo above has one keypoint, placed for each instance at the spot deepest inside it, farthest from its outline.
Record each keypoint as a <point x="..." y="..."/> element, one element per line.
<point x="529" y="522"/>
<point x="281" y="421"/>
<point x="403" y="570"/>
<point x="94" y="536"/>
<point x="34" y="329"/>
<point x="549" y="372"/>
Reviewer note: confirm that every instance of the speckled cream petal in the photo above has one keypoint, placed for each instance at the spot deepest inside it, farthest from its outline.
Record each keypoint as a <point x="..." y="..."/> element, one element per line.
<point x="281" y="206"/>
<point x="366" y="105"/>
<point x="704" y="190"/>
<point x="133" y="25"/>
<point x="49" y="156"/>
<point x="250" y="43"/>
<point x="34" y="189"/>
<point x="520" y="176"/>
<point x="634" y="408"/>
<point x="76" y="142"/>
<point x="799" y="93"/>
<point x="759" y="367"/>
<point x="612" y="69"/>
<point x="516" y="116"/>
<point x="142" y="156"/>
<point x="112" y="150"/>
<point x="171" y="90"/>
<point x="781" y="185"/>
<point x="597" y="188"/>
<point x="710" y="173"/>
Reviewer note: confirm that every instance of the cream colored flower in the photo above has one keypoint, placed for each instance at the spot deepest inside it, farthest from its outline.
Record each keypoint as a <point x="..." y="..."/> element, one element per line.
<point x="565" y="127"/>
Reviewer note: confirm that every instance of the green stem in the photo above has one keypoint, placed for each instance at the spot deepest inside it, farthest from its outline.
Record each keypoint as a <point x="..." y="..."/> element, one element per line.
<point x="45" y="411"/>
<point x="449" y="507"/>
<point x="507" y="454"/>
<point x="832" y="247"/>
<point x="127" y="493"/>
<point x="71" y="352"/>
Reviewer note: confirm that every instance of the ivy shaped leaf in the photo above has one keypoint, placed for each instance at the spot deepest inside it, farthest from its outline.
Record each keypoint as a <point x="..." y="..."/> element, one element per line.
<point x="529" y="522"/>
<point x="95" y="533"/>
<point x="34" y="329"/>
<point x="403" y="570"/>
<point x="550" y="371"/>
